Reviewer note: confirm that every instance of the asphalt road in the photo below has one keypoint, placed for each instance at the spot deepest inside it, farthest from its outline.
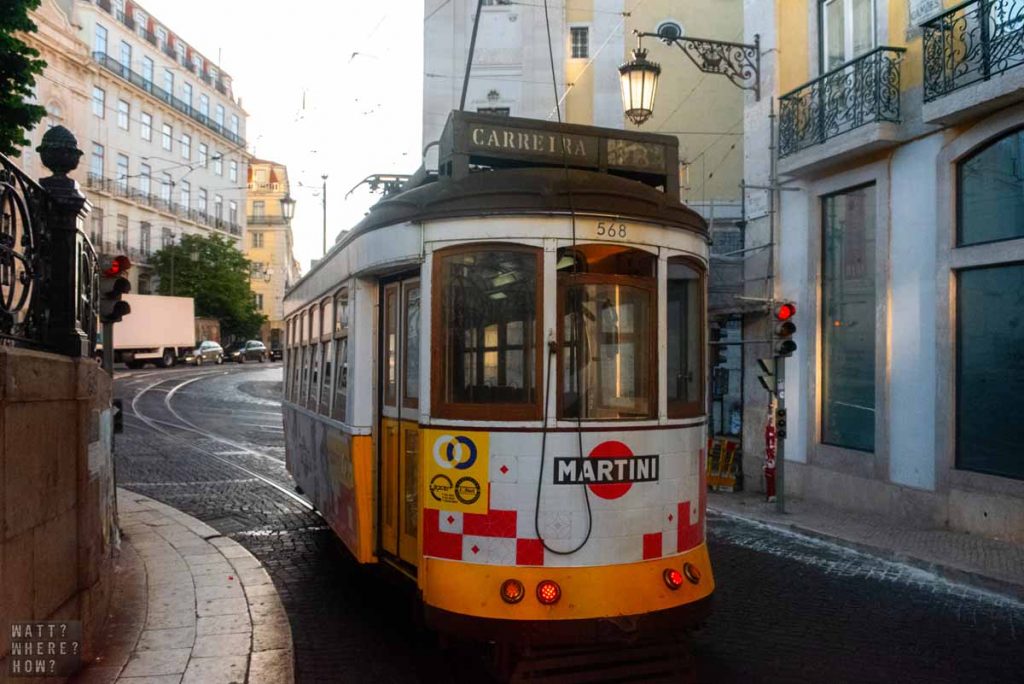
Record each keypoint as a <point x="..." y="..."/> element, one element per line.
<point x="788" y="608"/>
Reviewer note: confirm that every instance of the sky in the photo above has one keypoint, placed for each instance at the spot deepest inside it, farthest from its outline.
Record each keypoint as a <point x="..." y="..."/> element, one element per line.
<point x="331" y="87"/>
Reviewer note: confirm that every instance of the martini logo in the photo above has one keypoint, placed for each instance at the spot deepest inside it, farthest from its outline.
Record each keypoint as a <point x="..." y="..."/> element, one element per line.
<point x="610" y="470"/>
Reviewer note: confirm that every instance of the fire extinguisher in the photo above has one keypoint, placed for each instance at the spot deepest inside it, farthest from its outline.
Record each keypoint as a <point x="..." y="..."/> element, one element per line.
<point x="769" y="459"/>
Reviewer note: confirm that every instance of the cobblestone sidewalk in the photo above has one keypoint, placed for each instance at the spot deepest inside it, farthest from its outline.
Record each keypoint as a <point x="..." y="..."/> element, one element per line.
<point x="979" y="561"/>
<point x="190" y="606"/>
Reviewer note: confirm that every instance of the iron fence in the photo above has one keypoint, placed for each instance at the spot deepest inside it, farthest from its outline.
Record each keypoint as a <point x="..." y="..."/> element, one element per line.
<point x="970" y="43"/>
<point x="49" y="271"/>
<point x="862" y="91"/>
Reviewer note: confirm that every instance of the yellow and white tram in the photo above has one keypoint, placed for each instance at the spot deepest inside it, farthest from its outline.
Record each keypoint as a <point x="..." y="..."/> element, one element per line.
<point x="495" y="383"/>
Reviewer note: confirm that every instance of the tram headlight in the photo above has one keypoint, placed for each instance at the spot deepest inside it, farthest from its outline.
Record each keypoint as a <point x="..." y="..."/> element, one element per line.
<point x="548" y="592"/>
<point x="691" y="572"/>
<point x="512" y="591"/>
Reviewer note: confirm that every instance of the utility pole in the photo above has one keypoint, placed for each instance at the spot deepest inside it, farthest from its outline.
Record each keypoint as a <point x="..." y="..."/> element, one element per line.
<point x="323" y="201"/>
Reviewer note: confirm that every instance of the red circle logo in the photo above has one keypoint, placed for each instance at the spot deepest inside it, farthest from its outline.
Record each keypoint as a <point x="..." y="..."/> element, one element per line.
<point x="611" y="449"/>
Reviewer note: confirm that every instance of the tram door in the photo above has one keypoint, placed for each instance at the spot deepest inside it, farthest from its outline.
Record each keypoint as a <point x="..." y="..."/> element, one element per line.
<point x="398" y="453"/>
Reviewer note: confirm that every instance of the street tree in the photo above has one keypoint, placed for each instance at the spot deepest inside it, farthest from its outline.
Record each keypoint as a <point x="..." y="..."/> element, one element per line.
<point x="18" y="67"/>
<point x="214" y="273"/>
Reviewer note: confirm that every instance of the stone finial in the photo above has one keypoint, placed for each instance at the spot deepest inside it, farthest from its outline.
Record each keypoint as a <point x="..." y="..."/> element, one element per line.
<point x="59" y="151"/>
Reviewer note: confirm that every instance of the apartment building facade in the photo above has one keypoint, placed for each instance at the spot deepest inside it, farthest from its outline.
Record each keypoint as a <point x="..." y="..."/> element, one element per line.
<point x="512" y="76"/>
<point x="162" y="132"/>
<point x="269" y="244"/>
<point x="901" y="241"/>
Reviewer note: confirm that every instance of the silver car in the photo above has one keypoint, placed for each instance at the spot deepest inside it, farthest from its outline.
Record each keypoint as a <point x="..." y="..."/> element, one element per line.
<point x="207" y="352"/>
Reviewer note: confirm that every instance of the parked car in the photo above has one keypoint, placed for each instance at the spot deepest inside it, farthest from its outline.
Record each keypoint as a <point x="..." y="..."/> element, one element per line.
<point x="207" y="352"/>
<point x="253" y="350"/>
<point x="276" y="354"/>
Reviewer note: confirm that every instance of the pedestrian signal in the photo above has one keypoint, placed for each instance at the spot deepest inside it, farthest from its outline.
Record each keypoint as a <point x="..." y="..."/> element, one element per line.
<point x="113" y="285"/>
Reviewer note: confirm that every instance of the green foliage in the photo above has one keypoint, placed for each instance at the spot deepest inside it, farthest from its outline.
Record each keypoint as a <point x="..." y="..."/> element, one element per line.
<point x="216" y="275"/>
<point x="18" y="66"/>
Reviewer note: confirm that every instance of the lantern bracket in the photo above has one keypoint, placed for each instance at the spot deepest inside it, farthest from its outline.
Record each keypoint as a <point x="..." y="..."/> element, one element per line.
<point x="739" y="62"/>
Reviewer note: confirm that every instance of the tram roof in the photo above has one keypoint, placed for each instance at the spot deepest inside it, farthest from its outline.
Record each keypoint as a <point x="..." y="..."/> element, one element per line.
<point x="603" y="171"/>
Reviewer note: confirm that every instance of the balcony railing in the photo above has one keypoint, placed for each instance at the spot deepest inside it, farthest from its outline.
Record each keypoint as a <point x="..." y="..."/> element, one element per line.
<point x="254" y="220"/>
<point x="126" y="20"/>
<point x="136" y="79"/>
<point x="862" y="91"/>
<point x="121" y="188"/>
<point x="970" y="43"/>
<point x="103" y="4"/>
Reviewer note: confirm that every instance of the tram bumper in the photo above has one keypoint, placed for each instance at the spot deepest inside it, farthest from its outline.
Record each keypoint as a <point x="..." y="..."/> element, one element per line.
<point x="600" y="603"/>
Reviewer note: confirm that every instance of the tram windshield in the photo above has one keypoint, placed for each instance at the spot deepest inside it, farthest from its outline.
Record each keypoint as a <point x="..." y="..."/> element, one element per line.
<point x="489" y="307"/>
<point x="607" y="300"/>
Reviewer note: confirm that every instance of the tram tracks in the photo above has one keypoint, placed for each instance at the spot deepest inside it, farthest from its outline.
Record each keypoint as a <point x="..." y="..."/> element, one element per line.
<point x="171" y="429"/>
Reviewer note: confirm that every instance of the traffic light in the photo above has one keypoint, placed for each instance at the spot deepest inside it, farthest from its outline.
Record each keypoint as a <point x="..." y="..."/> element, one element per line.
<point x="717" y="348"/>
<point x="114" y="284"/>
<point x="785" y="328"/>
<point x="780" y="423"/>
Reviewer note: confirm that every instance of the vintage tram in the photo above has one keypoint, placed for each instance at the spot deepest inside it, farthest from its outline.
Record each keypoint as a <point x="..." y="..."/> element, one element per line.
<point x="495" y="384"/>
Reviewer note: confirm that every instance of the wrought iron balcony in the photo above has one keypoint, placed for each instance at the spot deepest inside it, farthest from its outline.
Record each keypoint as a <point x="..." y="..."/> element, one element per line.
<point x="136" y="79"/>
<point x="103" y="4"/>
<point x="971" y="42"/>
<point x="862" y="91"/>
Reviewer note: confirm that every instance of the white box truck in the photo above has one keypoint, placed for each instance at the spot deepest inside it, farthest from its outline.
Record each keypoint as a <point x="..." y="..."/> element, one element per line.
<point x="158" y="330"/>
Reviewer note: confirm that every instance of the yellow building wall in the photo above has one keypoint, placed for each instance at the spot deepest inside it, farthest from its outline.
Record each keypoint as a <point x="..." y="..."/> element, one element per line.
<point x="705" y="111"/>
<point x="579" y="103"/>
<point x="794" y="43"/>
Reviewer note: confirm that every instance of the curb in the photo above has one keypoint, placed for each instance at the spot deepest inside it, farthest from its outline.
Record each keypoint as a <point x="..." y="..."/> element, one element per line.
<point x="950" y="573"/>
<point x="208" y="611"/>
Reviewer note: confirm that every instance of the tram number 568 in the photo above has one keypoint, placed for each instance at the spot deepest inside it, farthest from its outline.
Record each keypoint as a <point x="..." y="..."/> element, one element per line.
<point x="611" y="229"/>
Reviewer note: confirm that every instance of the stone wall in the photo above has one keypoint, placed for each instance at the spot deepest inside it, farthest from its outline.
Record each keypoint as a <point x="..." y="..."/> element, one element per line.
<point x="57" y="513"/>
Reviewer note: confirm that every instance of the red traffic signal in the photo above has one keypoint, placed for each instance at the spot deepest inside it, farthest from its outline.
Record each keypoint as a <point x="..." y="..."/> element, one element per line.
<point x="785" y="311"/>
<point x="116" y="266"/>
<point x="784" y="314"/>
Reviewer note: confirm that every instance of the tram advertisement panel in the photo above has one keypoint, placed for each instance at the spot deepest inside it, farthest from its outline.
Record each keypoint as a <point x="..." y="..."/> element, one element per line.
<point x="457" y="470"/>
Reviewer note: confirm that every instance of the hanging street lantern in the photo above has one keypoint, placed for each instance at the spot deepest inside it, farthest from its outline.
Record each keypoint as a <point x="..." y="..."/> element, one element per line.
<point x="638" y="79"/>
<point x="287" y="207"/>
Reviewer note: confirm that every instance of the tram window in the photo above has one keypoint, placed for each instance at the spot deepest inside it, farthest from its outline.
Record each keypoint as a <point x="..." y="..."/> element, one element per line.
<point x="325" y="374"/>
<point x="685" y="338"/>
<point x="411" y="350"/>
<point x="314" y="381"/>
<point x="341" y="312"/>
<point x="486" y="328"/>
<point x="391" y="345"/>
<point x="325" y="318"/>
<point x="304" y="380"/>
<point x="608" y="333"/>
<point x="340" y="379"/>
<point x="340" y="368"/>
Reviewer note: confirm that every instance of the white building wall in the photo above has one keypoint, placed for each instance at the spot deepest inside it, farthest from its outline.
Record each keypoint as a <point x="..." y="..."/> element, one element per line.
<point x="913" y="366"/>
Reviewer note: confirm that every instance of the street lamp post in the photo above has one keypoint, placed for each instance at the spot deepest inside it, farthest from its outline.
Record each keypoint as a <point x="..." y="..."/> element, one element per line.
<point x="287" y="207"/>
<point x="638" y="78"/>
<point x="323" y="199"/>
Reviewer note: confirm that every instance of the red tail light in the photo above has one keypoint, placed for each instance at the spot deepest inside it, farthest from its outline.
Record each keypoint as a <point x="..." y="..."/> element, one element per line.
<point x="512" y="591"/>
<point x="548" y="592"/>
<point x="691" y="572"/>
<point x="673" y="578"/>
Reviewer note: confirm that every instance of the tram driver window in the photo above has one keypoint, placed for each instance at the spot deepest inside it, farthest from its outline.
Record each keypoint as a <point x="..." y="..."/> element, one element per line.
<point x="685" y="332"/>
<point x="341" y="314"/>
<point x="607" y="337"/>
<point x="486" y="299"/>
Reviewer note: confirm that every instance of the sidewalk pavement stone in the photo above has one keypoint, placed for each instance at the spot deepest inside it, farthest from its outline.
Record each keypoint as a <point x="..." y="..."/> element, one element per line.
<point x="191" y="607"/>
<point x="983" y="562"/>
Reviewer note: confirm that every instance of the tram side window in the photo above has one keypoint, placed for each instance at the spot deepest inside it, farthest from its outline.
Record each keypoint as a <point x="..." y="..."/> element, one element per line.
<point x="607" y="303"/>
<point x="327" y="377"/>
<point x="486" y="303"/>
<point x="304" y="363"/>
<point x="314" y="380"/>
<point x="411" y="351"/>
<point x="341" y="314"/>
<point x="685" y="334"/>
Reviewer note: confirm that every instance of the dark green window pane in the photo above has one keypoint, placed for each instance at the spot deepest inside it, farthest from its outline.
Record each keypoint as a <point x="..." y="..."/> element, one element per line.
<point x="991" y="201"/>
<point x="990" y="370"/>
<point x="848" y="319"/>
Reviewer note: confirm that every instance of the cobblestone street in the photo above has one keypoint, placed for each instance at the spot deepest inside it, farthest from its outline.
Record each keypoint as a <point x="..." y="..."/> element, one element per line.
<point x="787" y="607"/>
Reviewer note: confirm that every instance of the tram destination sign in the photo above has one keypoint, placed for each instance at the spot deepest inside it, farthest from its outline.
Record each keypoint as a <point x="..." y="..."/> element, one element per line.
<point x="471" y="138"/>
<point x="524" y="142"/>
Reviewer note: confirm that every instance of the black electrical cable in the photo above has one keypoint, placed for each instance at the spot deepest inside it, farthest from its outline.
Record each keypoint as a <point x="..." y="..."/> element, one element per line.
<point x="574" y="342"/>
